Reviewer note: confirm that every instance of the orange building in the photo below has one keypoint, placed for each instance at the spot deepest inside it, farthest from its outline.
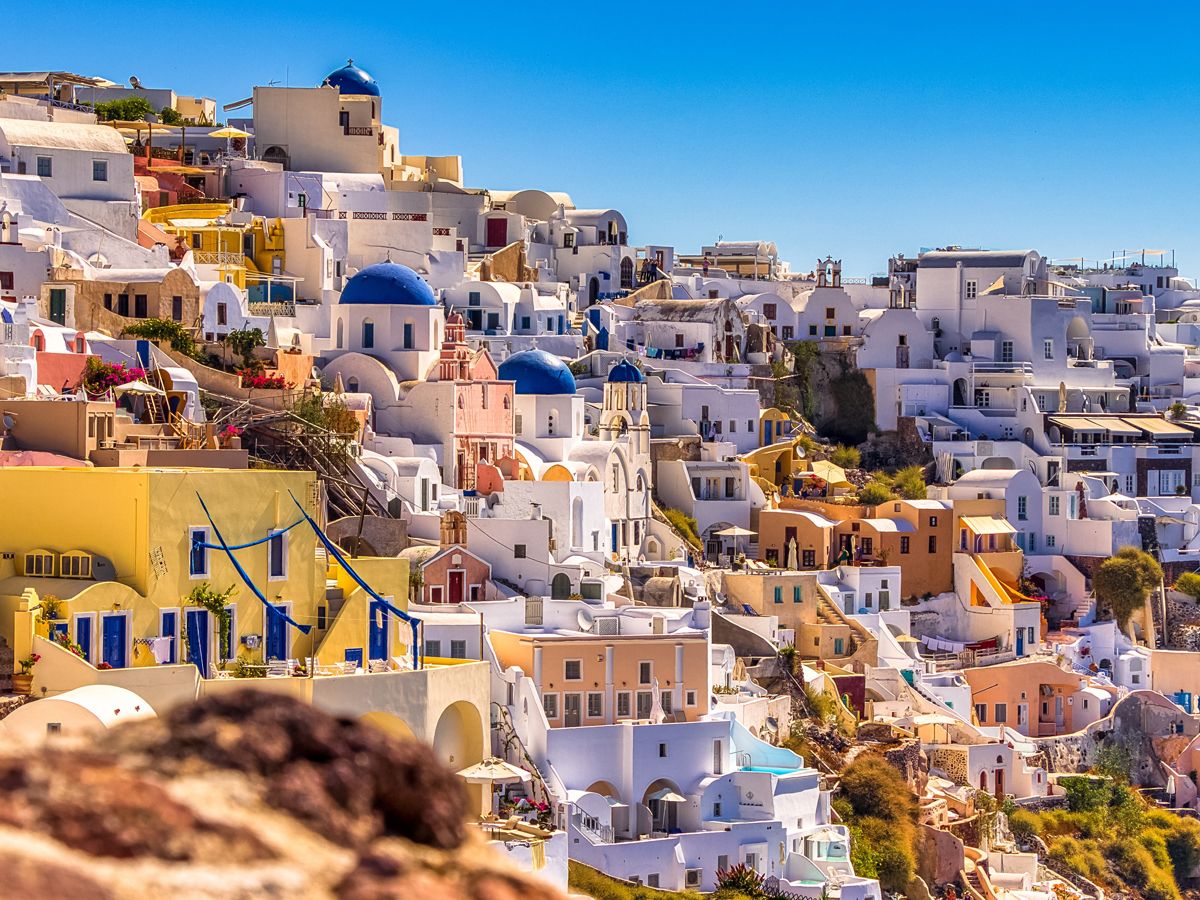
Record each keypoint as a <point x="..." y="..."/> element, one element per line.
<point x="593" y="680"/>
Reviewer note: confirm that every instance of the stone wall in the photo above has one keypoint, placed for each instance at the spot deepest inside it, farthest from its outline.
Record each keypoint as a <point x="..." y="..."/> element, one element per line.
<point x="380" y="536"/>
<point x="939" y="855"/>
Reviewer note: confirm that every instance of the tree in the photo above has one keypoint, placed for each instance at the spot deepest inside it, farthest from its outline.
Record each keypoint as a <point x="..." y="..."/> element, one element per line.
<point x="1188" y="583"/>
<point x="909" y="483"/>
<point x="1125" y="580"/>
<point x="846" y="457"/>
<point x="127" y="109"/>
<point x="1178" y="410"/>
<point x="243" y="342"/>
<point x="169" y="116"/>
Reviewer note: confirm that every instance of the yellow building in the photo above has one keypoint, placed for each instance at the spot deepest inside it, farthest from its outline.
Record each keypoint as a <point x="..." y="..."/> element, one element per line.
<point x="248" y="248"/>
<point x="98" y="572"/>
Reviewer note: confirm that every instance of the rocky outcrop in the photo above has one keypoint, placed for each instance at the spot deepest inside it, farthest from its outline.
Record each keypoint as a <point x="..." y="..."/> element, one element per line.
<point x="241" y="796"/>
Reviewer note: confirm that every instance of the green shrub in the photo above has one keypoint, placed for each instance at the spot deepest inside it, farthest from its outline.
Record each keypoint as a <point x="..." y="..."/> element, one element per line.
<point x="126" y="109"/>
<point x="586" y="880"/>
<point x="1188" y="583"/>
<point x="873" y="493"/>
<point x="846" y="457"/>
<point x="909" y="483"/>
<point x="684" y="525"/>
<point x="178" y="337"/>
<point x="1024" y="825"/>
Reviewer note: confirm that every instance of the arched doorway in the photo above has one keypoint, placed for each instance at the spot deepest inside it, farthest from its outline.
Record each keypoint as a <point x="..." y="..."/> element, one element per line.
<point x="960" y="392"/>
<point x="627" y="274"/>
<point x="560" y="587"/>
<point x="606" y="789"/>
<point x="662" y="801"/>
<point x="593" y="290"/>
<point x="458" y="737"/>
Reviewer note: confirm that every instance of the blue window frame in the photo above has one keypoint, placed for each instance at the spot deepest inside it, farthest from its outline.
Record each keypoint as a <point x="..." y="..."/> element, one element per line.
<point x="83" y="635"/>
<point x="778" y="594"/>
<point x="168" y="627"/>
<point x="114" y="640"/>
<point x="198" y="557"/>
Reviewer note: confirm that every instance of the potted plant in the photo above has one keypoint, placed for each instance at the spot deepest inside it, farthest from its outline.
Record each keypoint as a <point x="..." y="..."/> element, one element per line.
<point x="23" y="680"/>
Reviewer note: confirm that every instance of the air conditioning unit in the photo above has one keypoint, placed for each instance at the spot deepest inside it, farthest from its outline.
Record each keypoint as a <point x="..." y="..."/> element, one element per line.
<point x="692" y="877"/>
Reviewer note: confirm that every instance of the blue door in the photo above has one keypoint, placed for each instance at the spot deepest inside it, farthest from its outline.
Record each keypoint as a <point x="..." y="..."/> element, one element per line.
<point x="1020" y="642"/>
<point x="354" y="655"/>
<point x="276" y="634"/>
<point x="378" y="643"/>
<point x="614" y="537"/>
<point x="83" y="635"/>
<point x="113" y="641"/>
<point x="169" y="628"/>
<point x="199" y="635"/>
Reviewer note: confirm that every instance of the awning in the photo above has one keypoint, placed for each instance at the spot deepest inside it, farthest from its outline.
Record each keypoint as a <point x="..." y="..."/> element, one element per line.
<point x="988" y="525"/>
<point x="1076" y="423"/>
<point x="1160" y="427"/>
<point x="1115" y="425"/>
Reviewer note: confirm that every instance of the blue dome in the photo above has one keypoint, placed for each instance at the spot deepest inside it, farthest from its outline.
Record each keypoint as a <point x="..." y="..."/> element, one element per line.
<point x="538" y="372"/>
<point x="388" y="282"/>
<point x="350" y="79"/>
<point x="625" y="372"/>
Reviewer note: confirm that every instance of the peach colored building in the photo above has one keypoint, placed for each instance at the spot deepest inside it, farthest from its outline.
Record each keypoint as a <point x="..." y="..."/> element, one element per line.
<point x="812" y="532"/>
<point x="454" y="575"/>
<point x="592" y="680"/>
<point x="1036" y="698"/>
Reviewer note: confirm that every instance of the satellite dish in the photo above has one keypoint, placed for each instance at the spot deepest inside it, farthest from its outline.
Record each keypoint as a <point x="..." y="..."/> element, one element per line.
<point x="134" y="83"/>
<point x="585" y="619"/>
<point x="8" y="421"/>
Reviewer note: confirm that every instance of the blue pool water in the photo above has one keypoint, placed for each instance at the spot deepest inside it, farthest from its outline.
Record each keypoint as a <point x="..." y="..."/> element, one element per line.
<point x="774" y="770"/>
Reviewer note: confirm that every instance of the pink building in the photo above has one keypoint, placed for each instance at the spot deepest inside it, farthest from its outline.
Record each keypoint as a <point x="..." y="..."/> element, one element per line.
<point x="454" y="574"/>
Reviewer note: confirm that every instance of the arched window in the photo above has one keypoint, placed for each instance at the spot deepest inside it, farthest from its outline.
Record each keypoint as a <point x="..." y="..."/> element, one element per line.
<point x="507" y="402"/>
<point x="352" y="386"/>
<point x="368" y="334"/>
<point x="38" y="341"/>
<point x="627" y="274"/>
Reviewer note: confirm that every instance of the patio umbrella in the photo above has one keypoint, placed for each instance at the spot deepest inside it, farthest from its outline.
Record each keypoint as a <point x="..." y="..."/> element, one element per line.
<point x="793" y="556"/>
<point x="229" y="133"/>
<point x="735" y="532"/>
<point x="138" y="387"/>
<point x="666" y="795"/>
<point x="492" y="771"/>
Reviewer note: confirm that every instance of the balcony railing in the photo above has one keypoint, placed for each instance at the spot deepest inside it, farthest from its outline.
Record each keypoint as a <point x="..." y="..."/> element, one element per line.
<point x="272" y="308"/>
<point x="217" y="258"/>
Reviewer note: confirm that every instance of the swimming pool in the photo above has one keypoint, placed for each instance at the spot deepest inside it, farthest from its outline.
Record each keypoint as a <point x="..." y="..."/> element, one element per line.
<point x="774" y="770"/>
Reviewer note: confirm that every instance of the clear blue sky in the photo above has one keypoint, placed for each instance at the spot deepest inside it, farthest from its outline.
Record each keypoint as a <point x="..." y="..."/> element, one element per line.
<point x="1066" y="127"/>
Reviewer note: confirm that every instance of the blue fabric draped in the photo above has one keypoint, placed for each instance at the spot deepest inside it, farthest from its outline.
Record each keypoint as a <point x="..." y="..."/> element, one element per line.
<point x="336" y="553"/>
<point x="271" y="610"/>
<point x="270" y="534"/>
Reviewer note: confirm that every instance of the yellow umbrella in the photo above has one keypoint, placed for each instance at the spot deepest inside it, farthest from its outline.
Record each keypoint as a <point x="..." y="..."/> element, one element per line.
<point x="229" y="132"/>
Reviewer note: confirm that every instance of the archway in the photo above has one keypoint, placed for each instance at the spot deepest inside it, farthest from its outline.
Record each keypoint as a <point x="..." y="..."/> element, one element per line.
<point x="653" y="549"/>
<point x="960" y="392"/>
<point x="606" y="789"/>
<point x="458" y="737"/>
<point x="276" y="154"/>
<point x="627" y="274"/>
<point x="662" y="801"/>
<point x="560" y="587"/>
<point x="390" y="724"/>
<point x="593" y="290"/>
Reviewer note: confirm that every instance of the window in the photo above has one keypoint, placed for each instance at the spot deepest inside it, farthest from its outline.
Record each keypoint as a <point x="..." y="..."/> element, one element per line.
<point x="667" y="700"/>
<point x="525" y="322"/>
<point x="518" y="424"/>
<point x="623" y="708"/>
<point x="550" y="705"/>
<point x="778" y="594"/>
<point x="75" y="565"/>
<point x="933" y="543"/>
<point x="972" y="290"/>
<point x="829" y="312"/>
<point x="458" y="649"/>
<point x="519" y="551"/>
<point x="198" y="556"/>
<point x="1051" y="540"/>
<point x="812" y="330"/>
<point x="1001" y="713"/>
<point x="176" y="307"/>
<point x="39" y="563"/>
<point x="222" y="314"/>
<point x="732" y="429"/>
<point x="595" y="706"/>
<point x="796" y="594"/>
<point x="45" y="167"/>
<point x="368" y="334"/>
<point x="808" y="558"/>
<point x="839" y="646"/>
<point x="196" y="240"/>
<point x="1006" y="351"/>
<point x="1022" y="508"/>
<point x="122" y="304"/>
<point x="678" y="339"/>
<point x="6" y="284"/>
<point x="1053" y="504"/>
<point x="140" y="308"/>
<point x="788" y="332"/>
<point x="99" y="170"/>
<point x="433" y="649"/>
<point x="645" y="673"/>
<point x="730" y="487"/>
<point x="769" y="310"/>
<point x="1048" y="349"/>
<point x="903" y="544"/>
<point x="662" y="750"/>
<point x="408" y="336"/>
<point x="277" y="555"/>
<point x="572" y="670"/>
<point x="981" y="712"/>
<point x="690" y="698"/>
<point x="473" y="298"/>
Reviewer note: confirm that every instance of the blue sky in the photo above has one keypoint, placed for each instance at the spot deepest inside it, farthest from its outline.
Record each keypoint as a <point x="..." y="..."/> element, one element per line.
<point x="1065" y="127"/>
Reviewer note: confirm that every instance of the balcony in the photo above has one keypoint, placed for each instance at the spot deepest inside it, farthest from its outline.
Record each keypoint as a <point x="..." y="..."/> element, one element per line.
<point x="217" y="258"/>
<point x="272" y="308"/>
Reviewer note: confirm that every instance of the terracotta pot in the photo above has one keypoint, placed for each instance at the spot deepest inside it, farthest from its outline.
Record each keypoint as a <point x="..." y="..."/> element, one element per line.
<point x="22" y="684"/>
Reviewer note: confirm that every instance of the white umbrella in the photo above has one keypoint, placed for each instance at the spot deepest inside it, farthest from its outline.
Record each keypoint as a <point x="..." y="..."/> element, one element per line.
<point x="793" y="556"/>
<point x="735" y="532"/>
<point x="138" y="387"/>
<point x="666" y="795"/>
<point x="491" y="771"/>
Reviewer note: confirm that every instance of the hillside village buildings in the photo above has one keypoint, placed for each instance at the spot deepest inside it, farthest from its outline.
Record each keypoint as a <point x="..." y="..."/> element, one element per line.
<point x="533" y="489"/>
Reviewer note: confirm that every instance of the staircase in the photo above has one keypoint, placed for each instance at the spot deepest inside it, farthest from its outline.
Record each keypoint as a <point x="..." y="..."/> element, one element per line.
<point x="829" y="614"/>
